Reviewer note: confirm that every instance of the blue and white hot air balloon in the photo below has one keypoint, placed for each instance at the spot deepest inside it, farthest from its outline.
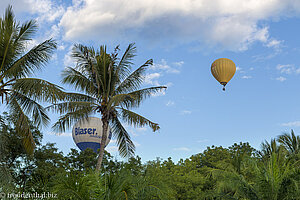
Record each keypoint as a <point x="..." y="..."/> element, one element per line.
<point x="87" y="133"/>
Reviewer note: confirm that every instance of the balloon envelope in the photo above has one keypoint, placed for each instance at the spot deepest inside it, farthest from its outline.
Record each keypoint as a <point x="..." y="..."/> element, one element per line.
<point x="223" y="70"/>
<point x="87" y="133"/>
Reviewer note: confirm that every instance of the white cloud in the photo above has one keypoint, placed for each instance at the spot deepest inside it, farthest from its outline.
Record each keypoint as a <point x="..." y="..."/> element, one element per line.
<point x="182" y="149"/>
<point x="47" y="10"/>
<point x="246" y="77"/>
<point x="61" y="134"/>
<point x="164" y="67"/>
<point x="151" y="79"/>
<point x="186" y="112"/>
<point x="291" y="124"/>
<point x="54" y="57"/>
<point x="137" y="131"/>
<point x="61" y="47"/>
<point x="286" y="69"/>
<point x="54" y="32"/>
<point x="244" y="72"/>
<point x="112" y="149"/>
<point x="68" y="60"/>
<point x="141" y="129"/>
<point x="169" y="84"/>
<point x="274" y="43"/>
<point x="180" y="63"/>
<point x="170" y="103"/>
<point x="160" y="93"/>
<point x="31" y="43"/>
<point x="230" y="24"/>
<point x="161" y="69"/>
<point x="281" y="78"/>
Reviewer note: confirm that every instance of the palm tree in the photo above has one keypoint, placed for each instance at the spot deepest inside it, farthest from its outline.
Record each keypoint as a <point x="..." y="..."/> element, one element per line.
<point x="107" y="87"/>
<point x="277" y="178"/>
<point x="72" y="185"/>
<point x="113" y="186"/>
<point x="291" y="142"/>
<point x="19" y="92"/>
<point x="267" y="149"/>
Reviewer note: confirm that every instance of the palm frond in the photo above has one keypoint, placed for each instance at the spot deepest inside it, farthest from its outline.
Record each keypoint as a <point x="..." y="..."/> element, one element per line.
<point x="140" y="95"/>
<point x="8" y="30"/>
<point x="126" y="146"/>
<point x="124" y="65"/>
<point x="71" y="106"/>
<point x="118" y="99"/>
<point x="22" y="125"/>
<point x="67" y="120"/>
<point x="234" y="183"/>
<point x="80" y="81"/>
<point x="38" y="89"/>
<point x="31" y="107"/>
<point x="290" y="141"/>
<point x="31" y="61"/>
<point x="26" y="30"/>
<point x="137" y="120"/>
<point x="84" y="57"/>
<point x="87" y="63"/>
<point x="134" y="80"/>
<point x="73" y="186"/>
<point x="71" y="96"/>
<point x="268" y="148"/>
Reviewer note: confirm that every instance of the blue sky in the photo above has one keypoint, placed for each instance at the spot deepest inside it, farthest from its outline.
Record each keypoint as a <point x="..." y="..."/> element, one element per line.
<point x="183" y="38"/>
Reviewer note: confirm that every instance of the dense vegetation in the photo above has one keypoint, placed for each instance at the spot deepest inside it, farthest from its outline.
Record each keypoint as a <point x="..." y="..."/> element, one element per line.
<point x="236" y="172"/>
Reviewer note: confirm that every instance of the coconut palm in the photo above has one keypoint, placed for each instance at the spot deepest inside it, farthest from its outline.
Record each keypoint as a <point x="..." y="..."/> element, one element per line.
<point x="108" y="88"/>
<point x="17" y="90"/>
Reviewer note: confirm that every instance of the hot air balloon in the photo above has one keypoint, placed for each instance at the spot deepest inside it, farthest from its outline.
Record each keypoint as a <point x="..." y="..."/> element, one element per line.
<point x="87" y="133"/>
<point x="223" y="70"/>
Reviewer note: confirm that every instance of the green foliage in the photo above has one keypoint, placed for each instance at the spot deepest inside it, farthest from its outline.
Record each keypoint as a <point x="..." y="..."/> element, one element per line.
<point x="218" y="173"/>
<point x="17" y="91"/>
<point x="291" y="143"/>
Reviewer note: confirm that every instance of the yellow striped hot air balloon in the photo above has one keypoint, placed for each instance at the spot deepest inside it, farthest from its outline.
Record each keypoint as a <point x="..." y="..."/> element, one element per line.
<point x="223" y="70"/>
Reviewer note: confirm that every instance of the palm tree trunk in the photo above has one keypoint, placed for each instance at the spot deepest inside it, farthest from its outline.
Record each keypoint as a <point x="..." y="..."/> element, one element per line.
<point x="102" y="144"/>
